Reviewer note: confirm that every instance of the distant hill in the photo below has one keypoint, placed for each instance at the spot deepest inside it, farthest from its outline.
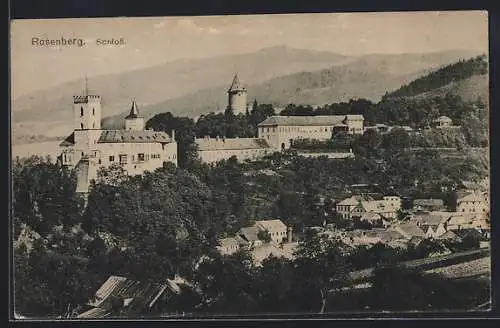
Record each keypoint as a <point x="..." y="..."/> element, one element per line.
<point x="174" y="79"/>
<point x="367" y="76"/>
<point x="191" y="87"/>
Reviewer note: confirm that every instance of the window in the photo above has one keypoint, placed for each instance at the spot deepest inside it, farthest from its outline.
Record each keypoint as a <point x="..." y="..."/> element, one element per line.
<point x="93" y="125"/>
<point x="267" y="129"/>
<point x="93" y="111"/>
<point x="81" y="111"/>
<point x="99" y="161"/>
<point x="123" y="159"/>
<point x="81" y="126"/>
<point x="111" y="158"/>
<point x="140" y="157"/>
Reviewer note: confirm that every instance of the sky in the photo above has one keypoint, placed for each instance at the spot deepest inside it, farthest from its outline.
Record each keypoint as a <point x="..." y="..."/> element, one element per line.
<point x="155" y="40"/>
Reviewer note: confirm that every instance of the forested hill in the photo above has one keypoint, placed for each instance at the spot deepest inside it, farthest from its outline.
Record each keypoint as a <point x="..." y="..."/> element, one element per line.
<point x="459" y="71"/>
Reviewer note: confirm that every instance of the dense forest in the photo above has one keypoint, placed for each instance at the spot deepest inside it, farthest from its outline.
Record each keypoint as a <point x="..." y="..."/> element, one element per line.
<point x="443" y="76"/>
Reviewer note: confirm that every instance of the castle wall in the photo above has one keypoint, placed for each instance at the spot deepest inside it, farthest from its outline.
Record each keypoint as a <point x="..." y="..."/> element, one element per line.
<point x="213" y="156"/>
<point x="238" y="101"/>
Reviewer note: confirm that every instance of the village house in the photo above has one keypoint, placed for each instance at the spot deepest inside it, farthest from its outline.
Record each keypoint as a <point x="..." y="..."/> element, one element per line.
<point x="372" y="236"/>
<point x="251" y="236"/>
<point x="375" y="219"/>
<point x="228" y="246"/>
<point x="120" y="295"/>
<point x="409" y="230"/>
<point x="475" y="202"/>
<point x="212" y="150"/>
<point x="356" y="206"/>
<point x="277" y="230"/>
<point x="429" y="204"/>
<point x="90" y="147"/>
<point x="345" y="207"/>
<point x="460" y="221"/>
<point x="432" y="225"/>
<point x="259" y="254"/>
<point x="443" y="122"/>
<point x="280" y="131"/>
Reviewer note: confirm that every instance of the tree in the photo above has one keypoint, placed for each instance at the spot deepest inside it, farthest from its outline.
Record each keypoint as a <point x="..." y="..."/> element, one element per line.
<point x="44" y="195"/>
<point x="184" y="135"/>
<point x="396" y="139"/>
<point x="228" y="283"/>
<point x="322" y="266"/>
<point x="276" y="282"/>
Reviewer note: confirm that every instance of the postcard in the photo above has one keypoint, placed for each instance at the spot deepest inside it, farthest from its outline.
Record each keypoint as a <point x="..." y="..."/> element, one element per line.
<point x="250" y="165"/>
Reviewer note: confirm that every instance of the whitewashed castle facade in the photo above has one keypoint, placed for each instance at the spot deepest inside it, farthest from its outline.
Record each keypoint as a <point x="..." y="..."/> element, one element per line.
<point x="280" y="131"/>
<point x="90" y="147"/>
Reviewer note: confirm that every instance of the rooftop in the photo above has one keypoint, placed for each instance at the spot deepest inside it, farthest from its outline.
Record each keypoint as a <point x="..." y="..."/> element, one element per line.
<point x="443" y="119"/>
<point x="131" y="136"/>
<point x="411" y="230"/>
<point x="134" y="112"/>
<point x="319" y="120"/>
<point x="259" y="254"/>
<point x="271" y="225"/>
<point x="129" y="291"/>
<point x="428" y="202"/>
<point x="427" y="219"/>
<point x="236" y="84"/>
<point x="205" y="144"/>
<point x="250" y="233"/>
<point x="473" y="197"/>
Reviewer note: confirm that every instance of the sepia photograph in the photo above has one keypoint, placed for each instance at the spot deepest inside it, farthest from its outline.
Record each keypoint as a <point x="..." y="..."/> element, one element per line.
<point x="250" y="165"/>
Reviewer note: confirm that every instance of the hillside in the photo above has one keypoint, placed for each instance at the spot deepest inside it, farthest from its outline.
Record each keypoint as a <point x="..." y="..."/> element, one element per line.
<point x="191" y="87"/>
<point x="468" y="89"/>
<point x="367" y="76"/>
<point x="444" y="76"/>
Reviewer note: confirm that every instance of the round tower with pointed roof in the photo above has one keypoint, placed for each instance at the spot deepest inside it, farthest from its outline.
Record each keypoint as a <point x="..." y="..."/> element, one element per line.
<point x="134" y="121"/>
<point x="237" y="95"/>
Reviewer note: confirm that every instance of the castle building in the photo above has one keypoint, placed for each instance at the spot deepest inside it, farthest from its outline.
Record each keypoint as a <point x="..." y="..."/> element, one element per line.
<point x="212" y="150"/>
<point x="237" y="95"/>
<point x="280" y="131"/>
<point x="90" y="147"/>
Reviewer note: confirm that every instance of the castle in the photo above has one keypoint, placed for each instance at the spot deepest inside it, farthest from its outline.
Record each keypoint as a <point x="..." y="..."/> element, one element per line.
<point x="237" y="96"/>
<point x="276" y="133"/>
<point x="90" y="147"/>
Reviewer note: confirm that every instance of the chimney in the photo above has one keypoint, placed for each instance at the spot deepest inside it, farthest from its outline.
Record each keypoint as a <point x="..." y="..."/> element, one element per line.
<point x="173" y="134"/>
<point x="289" y="234"/>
